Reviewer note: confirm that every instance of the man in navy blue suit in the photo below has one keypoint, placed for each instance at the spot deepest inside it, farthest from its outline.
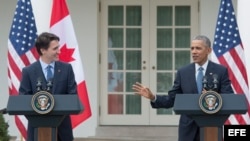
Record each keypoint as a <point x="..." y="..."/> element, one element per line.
<point x="62" y="77"/>
<point x="185" y="83"/>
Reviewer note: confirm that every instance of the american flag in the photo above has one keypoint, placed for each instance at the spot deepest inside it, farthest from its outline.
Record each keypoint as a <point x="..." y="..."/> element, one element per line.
<point x="228" y="50"/>
<point x="21" y="50"/>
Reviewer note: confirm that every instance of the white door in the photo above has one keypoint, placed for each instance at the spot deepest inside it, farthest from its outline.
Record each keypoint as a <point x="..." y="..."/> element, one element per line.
<point x="142" y="41"/>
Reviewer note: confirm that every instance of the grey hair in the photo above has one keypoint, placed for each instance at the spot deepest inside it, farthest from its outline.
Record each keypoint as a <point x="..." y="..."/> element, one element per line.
<point x="205" y="39"/>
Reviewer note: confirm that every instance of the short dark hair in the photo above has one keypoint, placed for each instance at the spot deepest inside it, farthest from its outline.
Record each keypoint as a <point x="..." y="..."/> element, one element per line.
<point x="43" y="41"/>
<point x="205" y="39"/>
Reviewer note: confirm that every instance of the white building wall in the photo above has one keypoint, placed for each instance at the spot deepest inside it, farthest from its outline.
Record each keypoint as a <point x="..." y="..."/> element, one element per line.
<point x="243" y="23"/>
<point x="84" y="15"/>
<point x="208" y="16"/>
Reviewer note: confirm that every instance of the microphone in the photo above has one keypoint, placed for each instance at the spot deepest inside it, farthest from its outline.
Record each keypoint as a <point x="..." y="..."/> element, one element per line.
<point x="215" y="81"/>
<point x="49" y="85"/>
<point x="39" y="84"/>
<point x="204" y="82"/>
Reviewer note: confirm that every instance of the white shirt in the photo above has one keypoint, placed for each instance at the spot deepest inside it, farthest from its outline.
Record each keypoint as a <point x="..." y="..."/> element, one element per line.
<point x="44" y="67"/>
<point x="204" y="66"/>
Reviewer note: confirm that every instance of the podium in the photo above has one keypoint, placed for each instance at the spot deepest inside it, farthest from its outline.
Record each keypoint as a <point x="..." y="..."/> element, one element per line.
<point x="45" y="124"/>
<point x="211" y="125"/>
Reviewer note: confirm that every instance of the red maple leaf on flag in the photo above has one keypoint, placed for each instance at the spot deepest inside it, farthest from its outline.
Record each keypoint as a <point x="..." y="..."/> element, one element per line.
<point x="66" y="54"/>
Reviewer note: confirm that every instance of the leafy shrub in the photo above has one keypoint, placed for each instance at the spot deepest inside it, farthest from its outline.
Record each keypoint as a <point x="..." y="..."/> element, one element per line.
<point x="4" y="135"/>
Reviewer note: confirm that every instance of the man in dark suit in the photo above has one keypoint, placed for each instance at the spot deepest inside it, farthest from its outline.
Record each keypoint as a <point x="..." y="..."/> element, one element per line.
<point x="185" y="83"/>
<point x="62" y="77"/>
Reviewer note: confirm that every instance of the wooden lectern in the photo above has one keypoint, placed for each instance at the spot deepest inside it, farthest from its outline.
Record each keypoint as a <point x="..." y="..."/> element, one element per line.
<point x="46" y="124"/>
<point x="210" y="124"/>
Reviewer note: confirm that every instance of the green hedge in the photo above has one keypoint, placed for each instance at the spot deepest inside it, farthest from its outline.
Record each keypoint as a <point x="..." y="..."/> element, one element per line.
<point x="4" y="134"/>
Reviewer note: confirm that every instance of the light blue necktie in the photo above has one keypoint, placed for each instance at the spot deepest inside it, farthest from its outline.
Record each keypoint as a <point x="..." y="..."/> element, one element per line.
<point x="49" y="72"/>
<point x="199" y="80"/>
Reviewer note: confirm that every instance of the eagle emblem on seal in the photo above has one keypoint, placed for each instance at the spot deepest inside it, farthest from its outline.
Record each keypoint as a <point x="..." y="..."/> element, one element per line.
<point x="210" y="102"/>
<point x="42" y="102"/>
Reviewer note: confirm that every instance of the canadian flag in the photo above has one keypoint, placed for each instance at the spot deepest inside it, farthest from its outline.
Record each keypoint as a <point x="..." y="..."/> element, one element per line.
<point x="61" y="25"/>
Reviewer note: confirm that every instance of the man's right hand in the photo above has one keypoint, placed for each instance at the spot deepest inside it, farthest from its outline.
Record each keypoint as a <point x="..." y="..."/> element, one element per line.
<point x="143" y="91"/>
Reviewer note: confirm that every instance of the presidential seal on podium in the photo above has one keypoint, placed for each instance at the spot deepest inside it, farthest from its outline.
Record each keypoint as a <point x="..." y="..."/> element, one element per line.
<point x="210" y="102"/>
<point x="42" y="102"/>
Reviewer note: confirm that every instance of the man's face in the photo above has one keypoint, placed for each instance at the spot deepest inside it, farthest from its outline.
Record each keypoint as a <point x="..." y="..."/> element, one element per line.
<point x="199" y="51"/>
<point x="52" y="53"/>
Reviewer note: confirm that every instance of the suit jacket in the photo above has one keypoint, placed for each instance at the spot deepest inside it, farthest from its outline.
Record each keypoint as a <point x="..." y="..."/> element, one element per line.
<point x="63" y="83"/>
<point x="185" y="83"/>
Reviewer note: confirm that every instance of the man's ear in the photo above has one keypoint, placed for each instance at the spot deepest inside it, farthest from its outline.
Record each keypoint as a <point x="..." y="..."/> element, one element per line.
<point x="209" y="50"/>
<point x="42" y="50"/>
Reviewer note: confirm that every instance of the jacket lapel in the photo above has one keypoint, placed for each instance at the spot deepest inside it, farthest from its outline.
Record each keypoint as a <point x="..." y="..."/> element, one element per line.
<point x="192" y="77"/>
<point x="57" y="72"/>
<point x="209" y="71"/>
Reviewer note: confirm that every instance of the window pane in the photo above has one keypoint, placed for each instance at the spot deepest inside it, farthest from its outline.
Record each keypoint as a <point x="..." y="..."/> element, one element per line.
<point x="182" y="38"/>
<point x="133" y="15"/>
<point x="133" y="104"/>
<point x="133" y="36"/>
<point x="182" y="58"/>
<point x="115" y="15"/>
<point x="131" y="78"/>
<point x="115" y="104"/>
<point x="164" y="16"/>
<point x="164" y="38"/>
<point x="115" y="37"/>
<point x="133" y="60"/>
<point x="182" y="15"/>
<point x="164" y="60"/>
<point x="164" y="82"/>
<point x="115" y="81"/>
<point x="115" y="60"/>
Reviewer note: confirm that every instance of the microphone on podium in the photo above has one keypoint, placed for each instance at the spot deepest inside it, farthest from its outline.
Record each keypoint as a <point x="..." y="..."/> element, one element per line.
<point x="49" y="85"/>
<point x="215" y="81"/>
<point x="39" y="84"/>
<point x="204" y="82"/>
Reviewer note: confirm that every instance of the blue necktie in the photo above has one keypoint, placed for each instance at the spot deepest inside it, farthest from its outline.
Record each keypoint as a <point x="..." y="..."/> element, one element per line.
<point x="199" y="80"/>
<point x="49" y="72"/>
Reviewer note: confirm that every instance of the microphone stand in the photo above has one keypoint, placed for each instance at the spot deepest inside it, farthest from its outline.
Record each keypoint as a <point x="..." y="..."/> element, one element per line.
<point x="38" y="85"/>
<point x="215" y="82"/>
<point x="49" y="85"/>
<point x="204" y="83"/>
<point x="210" y="87"/>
